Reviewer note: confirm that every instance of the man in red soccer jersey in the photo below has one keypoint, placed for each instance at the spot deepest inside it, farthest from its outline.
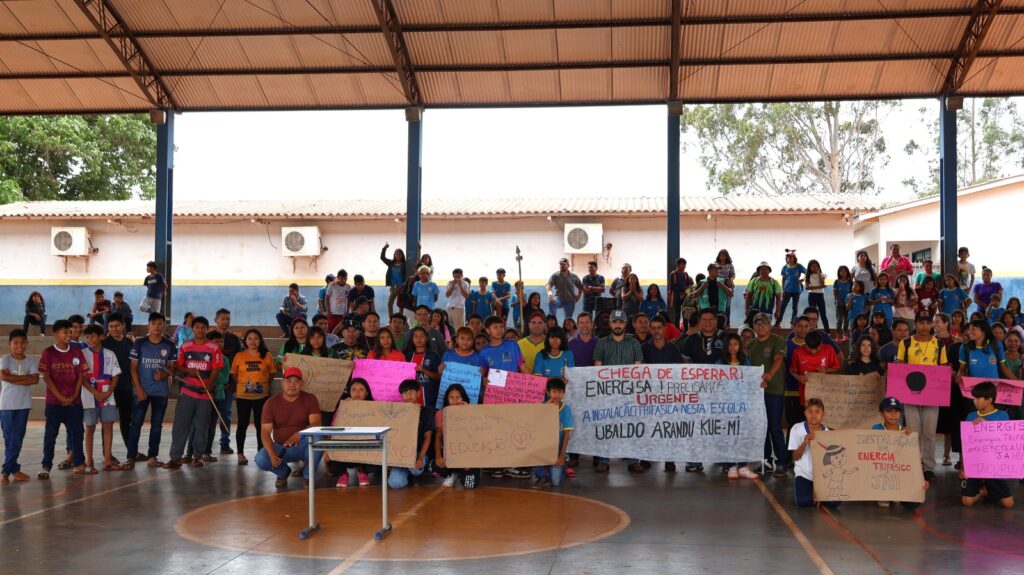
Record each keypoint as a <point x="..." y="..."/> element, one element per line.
<point x="198" y="361"/>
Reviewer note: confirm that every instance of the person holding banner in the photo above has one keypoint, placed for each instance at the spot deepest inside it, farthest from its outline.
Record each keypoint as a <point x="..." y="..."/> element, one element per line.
<point x="399" y="477"/>
<point x="551" y="475"/>
<point x="428" y="366"/>
<point x="997" y="489"/>
<point x="617" y="349"/>
<point x="455" y="396"/>
<point x="732" y="354"/>
<point x="923" y="349"/>
<point x="357" y="390"/>
<point x="892" y="411"/>
<point x="769" y="351"/>
<point x="501" y="353"/>
<point x="800" y="438"/>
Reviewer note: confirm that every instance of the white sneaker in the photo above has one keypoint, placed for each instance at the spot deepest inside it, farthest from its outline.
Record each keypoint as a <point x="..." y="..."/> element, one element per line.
<point x="746" y="473"/>
<point x="448" y="481"/>
<point x="733" y="472"/>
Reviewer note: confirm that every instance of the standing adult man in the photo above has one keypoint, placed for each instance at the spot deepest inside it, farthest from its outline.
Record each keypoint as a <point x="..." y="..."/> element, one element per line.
<point x="678" y="282"/>
<point x="923" y="348"/>
<point x="564" y="290"/>
<point x="337" y="299"/>
<point x="714" y="292"/>
<point x="321" y="300"/>
<point x="153" y="361"/>
<point x="656" y="350"/>
<point x="533" y="343"/>
<point x="284" y="416"/>
<point x="230" y="345"/>
<point x="121" y="347"/>
<point x="703" y="347"/>
<point x="617" y="349"/>
<point x="593" y="287"/>
<point x="156" y="288"/>
<point x="292" y="306"/>
<point x="619" y="283"/>
<point x="763" y="294"/>
<point x="769" y="351"/>
<point x="583" y="345"/>
<point x="896" y="264"/>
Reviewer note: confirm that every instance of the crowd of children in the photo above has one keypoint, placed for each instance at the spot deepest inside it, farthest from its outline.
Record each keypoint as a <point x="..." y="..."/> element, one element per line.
<point x="97" y="375"/>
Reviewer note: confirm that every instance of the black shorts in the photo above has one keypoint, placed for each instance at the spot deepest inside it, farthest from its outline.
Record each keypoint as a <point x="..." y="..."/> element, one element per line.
<point x="998" y="489"/>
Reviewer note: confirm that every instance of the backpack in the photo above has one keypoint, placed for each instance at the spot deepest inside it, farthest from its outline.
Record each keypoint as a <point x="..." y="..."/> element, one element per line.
<point x="403" y="296"/>
<point x="906" y="350"/>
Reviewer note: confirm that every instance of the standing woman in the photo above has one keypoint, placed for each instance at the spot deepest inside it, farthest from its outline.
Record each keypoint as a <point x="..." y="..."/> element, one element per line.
<point x="653" y="303"/>
<point x="984" y="291"/>
<point x="792" y="285"/>
<point x="252" y="370"/>
<point x="727" y="273"/>
<point x="632" y="296"/>
<point x="905" y="301"/>
<point x="428" y="365"/>
<point x="864" y="271"/>
<point x="816" y="291"/>
<point x="35" y="312"/>
<point x="395" y="276"/>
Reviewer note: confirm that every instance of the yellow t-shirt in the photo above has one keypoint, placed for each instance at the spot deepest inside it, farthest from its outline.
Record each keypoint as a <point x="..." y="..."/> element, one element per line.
<point x="530" y="351"/>
<point x="252" y="374"/>
<point x="929" y="352"/>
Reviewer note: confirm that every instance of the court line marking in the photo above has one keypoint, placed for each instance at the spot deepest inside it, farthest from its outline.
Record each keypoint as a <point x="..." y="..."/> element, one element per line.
<point x="370" y="543"/>
<point x="812" y="553"/>
<point x="923" y="524"/>
<point x="87" y="497"/>
<point x="847" y="534"/>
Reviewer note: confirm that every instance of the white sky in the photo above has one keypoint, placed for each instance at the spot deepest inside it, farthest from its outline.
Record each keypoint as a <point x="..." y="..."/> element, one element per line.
<point x="541" y="152"/>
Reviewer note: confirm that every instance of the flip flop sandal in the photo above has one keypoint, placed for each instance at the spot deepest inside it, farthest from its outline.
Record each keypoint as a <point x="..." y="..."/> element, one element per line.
<point x="90" y="470"/>
<point x="154" y="464"/>
<point x="43" y="475"/>
<point x="64" y="465"/>
<point x="128" y="466"/>
<point x="242" y="460"/>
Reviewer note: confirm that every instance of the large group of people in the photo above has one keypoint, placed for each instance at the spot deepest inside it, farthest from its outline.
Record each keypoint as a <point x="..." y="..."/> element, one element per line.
<point x="97" y="374"/>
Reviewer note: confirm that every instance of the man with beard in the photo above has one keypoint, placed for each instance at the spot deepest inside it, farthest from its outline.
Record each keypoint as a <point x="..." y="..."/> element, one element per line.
<point x="617" y="349"/>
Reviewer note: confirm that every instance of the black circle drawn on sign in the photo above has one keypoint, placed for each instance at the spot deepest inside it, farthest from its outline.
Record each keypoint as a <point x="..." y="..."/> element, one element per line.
<point x="916" y="381"/>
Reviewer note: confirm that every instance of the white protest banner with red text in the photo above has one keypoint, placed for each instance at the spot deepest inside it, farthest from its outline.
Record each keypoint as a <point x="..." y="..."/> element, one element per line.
<point x="668" y="412"/>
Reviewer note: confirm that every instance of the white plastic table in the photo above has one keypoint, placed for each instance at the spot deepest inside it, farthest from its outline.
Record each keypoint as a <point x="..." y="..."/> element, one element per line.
<point x="342" y="439"/>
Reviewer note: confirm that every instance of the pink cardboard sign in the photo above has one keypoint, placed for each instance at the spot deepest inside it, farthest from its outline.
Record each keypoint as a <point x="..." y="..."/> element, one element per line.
<point x="993" y="449"/>
<point x="514" y="387"/>
<point x="927" y="385"/>
<point x="384" y="376"/>
<point x="1008" y="391"/>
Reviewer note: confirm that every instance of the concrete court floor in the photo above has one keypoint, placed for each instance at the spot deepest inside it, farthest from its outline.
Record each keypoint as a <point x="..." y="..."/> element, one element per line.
<point x="123" y="522"/>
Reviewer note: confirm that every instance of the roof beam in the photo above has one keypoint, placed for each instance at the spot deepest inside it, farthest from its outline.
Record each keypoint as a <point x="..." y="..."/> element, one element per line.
<point x="111" y="27"/>
<point x="392" y="30"/>
<point x="970" y="44"/>
<point x="675" y="49"/>
<point x="512" y="26"/>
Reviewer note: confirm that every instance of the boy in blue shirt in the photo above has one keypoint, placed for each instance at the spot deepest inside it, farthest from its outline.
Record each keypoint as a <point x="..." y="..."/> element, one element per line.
<point x="502" y="292"/>
<point x="972" y="490"/>
<point x="425" y="291"/>
<point x="892" y="411"/>
<point x="551" y="475"/>
<point x="500" y="353"/>
<point x="481" y="302"/>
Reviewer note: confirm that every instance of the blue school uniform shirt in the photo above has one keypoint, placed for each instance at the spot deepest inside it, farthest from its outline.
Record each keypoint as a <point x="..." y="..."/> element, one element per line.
<point x="474" y="359"/>
<point x="552" y="367"/>
<point x="652" y="307"/>
<point x="952" y="299"/>
<point x="995" y="315"/>
<point x="478" y="303"/>
<point x="997" y="415"/>
<point x="505" y="356"/>
<point x="983" y="361"/>
<point x="791" y="278"/>
<point x="501" y="290"/>
<point x="857" y="304"/>
<point x="843" y="288"/>
<point x="425" y="293"/>
<point x="565" y="423"/>
<point x="885" y="308"/>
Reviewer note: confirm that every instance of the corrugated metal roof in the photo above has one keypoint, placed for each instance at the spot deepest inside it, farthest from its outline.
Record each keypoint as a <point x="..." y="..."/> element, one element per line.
<point x="351" y="209"/>
<point x="265" y="54"/>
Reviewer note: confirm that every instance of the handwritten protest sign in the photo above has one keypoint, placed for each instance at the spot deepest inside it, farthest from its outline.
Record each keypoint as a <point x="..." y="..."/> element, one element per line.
<point x="500" y="435"/>
<point x="514" y="387"/>
<point x="324" y="377"/>
<point x="384" y="376"/>
<point x="668" y="412"/>
<point x="919" y="384"/>
<point x="1008" y="391"/>
<point x="402" y="418"/>
<point x="851" y="400"/>
<point x="468" y="376"/>
<point x="993" y="449"/>
<point x="864" y="465"/>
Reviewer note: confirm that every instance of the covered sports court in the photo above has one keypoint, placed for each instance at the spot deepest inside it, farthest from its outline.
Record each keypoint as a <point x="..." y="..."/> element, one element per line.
<point x="168" y="57"/>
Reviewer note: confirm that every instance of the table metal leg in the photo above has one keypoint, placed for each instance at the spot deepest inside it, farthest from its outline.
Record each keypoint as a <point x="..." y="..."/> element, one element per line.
<point x="385" y="526"/>
<point x="313" y="525"/>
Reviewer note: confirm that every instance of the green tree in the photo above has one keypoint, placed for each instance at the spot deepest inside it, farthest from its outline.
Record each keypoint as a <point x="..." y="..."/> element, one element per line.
<point x="990" y="144"/>
<point x="790" y="148"/>
<point x="77" y="157"/>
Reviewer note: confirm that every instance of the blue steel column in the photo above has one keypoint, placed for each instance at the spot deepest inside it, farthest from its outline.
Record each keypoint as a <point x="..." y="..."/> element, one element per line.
<point x="414" y="187"/>
<point x="672" y="218"/>
<point x="165" y="201"/>
<point x="948" y="182"/>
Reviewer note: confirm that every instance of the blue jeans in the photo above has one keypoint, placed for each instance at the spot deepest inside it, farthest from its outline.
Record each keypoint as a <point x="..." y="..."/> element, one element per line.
<point x="31" y="320"/>
<point x="805" y="494"/>
<point x="786" y="298"/>
<point x="398" y="477"/>
<point x="568" y="308"/>
<point x="555" y="472"/>
<point x="71" y="417"/>
<point x="775" y="439"/>
<point x="13" y="422"/>
<point x="287" y="455"/>
<point x="158" y="407"/>
<point x="285" y="322"/>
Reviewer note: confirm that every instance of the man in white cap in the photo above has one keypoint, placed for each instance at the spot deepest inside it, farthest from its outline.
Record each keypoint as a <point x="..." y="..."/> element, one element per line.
<point x="763" y="294"/>
<point x="284" y="416"/>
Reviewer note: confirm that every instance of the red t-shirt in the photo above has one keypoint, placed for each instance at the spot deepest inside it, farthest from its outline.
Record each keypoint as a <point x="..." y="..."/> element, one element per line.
<point x="806" y="362"/>
<point x="64" y="367"/>
<point x="205" y="358"/>
<point x="289" y="417"/>
<point x="393" y="355"/>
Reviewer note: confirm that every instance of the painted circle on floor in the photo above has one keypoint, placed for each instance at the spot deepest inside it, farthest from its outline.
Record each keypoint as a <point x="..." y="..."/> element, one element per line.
<point x="429" y="523"/>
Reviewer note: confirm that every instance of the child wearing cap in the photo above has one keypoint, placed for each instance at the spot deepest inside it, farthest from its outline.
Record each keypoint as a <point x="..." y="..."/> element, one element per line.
<point x="892" y="410"/>
<point x="973" y="490"/>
